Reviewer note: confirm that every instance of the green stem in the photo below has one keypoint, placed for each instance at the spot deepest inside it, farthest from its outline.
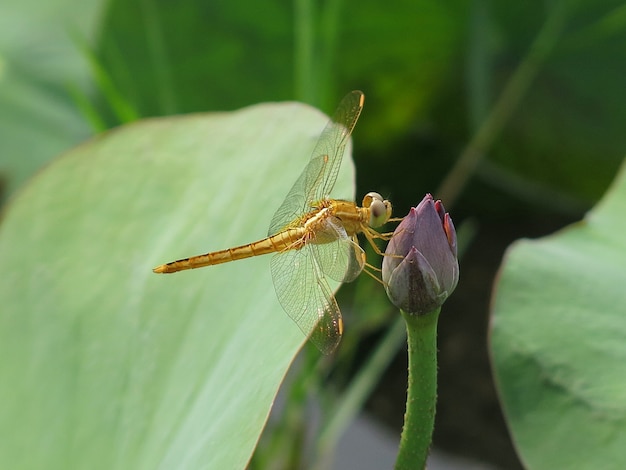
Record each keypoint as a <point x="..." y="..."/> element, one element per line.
<point x="304" y="48"/>
<point x="122" y="109"/>
<point x="331" y="15"/>
<point x="419" y="417"/>
<point x="162" y="69"/>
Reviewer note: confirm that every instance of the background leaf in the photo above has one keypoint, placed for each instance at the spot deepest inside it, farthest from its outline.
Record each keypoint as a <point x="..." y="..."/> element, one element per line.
<point x="104" y="364"/>
<point x="558" y="329"/>
<point x="38" y="61"/>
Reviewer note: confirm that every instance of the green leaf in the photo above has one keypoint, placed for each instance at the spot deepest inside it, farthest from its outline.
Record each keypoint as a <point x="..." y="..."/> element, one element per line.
<point x="104" y="364"/>
<point x="558" y="341"/>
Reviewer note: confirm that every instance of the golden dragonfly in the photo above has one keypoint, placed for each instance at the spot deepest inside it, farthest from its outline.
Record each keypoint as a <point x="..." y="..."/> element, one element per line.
<point x="313" y="236"/>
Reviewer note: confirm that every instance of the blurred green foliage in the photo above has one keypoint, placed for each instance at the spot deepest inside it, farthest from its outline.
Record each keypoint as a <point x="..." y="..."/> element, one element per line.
<point x="429" y="70"/>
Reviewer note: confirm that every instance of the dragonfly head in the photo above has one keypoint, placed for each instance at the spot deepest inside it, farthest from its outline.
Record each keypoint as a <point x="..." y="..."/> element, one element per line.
<point x="379" y="209"/>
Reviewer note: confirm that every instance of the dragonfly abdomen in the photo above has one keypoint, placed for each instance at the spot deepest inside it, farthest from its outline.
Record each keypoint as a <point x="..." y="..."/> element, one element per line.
<point x="286" y="240"/>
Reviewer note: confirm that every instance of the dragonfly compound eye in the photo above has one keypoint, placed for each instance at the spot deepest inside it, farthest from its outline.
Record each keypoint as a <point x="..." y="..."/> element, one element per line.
<point x="380" y="211"/>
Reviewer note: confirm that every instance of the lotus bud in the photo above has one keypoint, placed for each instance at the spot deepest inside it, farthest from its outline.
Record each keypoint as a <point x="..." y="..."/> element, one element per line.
<point x="420" y="266"/>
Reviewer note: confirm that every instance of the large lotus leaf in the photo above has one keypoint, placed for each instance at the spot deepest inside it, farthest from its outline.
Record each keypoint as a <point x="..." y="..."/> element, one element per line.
<point x="558" y="341"/>
<point x="104" y="364"/>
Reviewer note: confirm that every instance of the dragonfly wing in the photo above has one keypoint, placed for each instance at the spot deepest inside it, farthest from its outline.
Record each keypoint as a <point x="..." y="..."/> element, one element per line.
<point x="319" y="176"/>
<point x="331" y="145"/>
<point x="307" y="298"/>
<point x="341" y="259"/>
<point x="296" y="203"/>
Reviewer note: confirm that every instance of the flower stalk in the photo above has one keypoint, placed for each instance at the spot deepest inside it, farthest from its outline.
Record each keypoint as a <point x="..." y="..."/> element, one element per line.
<point x="421" y="400"/>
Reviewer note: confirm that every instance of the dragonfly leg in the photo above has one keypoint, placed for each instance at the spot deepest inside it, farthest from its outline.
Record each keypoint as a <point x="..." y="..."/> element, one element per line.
<point x="367" y="271"/>
<point x="371" y="235"/>
<point x="371" y="266"/>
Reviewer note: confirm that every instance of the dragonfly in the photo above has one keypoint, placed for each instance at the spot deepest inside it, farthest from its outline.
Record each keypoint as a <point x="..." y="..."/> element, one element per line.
<point x="313" y="236"/>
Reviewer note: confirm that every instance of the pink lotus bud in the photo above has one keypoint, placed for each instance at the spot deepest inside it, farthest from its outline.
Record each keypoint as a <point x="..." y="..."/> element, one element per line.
<point x="420" y="267"/>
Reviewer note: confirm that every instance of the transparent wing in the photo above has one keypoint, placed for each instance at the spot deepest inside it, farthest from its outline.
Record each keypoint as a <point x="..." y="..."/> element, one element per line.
<point x="319" y="176"/>
<point x="295" y="204"/>
<point x="332" y="143"/>
<point x="341" y="259"/>
<point x="307" y="298"/>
